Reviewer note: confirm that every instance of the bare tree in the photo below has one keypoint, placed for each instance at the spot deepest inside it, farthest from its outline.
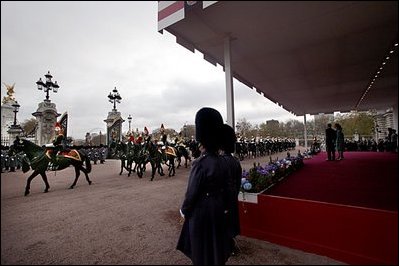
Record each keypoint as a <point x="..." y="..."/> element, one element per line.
<point x="29" y="125"/>
<point x="243" y="127"/>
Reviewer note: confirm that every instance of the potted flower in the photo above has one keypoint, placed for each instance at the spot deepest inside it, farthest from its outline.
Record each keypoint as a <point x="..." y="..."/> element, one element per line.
<point x="260" y="178"/>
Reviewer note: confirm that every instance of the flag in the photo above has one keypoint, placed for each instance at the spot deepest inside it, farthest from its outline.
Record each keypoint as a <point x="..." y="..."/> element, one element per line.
<point x="64" y="123"/>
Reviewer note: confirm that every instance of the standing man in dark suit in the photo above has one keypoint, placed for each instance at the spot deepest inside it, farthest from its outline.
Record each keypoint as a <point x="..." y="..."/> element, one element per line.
<point x="331" y="136"/>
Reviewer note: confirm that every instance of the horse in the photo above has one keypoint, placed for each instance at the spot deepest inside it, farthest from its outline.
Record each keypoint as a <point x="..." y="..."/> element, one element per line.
<point x="182" y="151"/>
<point x="193" y="146"/>
<point x="129" y="153"/>
<point x="169" y="155"/>
<point x="121" y="152"/>
<point x="150" y="154"/>
<point x="40" y="159"/>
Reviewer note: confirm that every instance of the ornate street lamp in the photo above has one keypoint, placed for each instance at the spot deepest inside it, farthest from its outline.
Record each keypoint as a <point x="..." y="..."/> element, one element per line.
<point x="48" y="86"/>
<point x="114" y="97"/>
<point x="129" y="119"/>
<point x="16" y="109"/>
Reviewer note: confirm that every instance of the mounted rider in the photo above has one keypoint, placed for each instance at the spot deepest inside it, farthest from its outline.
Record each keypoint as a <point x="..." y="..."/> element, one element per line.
<point x="147" y="136"/>
<point x="58" y="143"/>
<point x="179" y="141"/>
<point x="131" y="138"/>
<point x="139" y="139"/>
<point x="164" y="137"/>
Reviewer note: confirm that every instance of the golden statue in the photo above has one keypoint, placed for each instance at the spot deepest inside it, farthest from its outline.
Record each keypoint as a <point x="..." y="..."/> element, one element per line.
<point x="10" y="93"/>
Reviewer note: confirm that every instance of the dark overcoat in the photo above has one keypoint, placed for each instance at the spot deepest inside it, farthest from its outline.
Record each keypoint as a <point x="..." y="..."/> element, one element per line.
<point x="233" y="177"/>
<point x="331" y="136"/>
<point x="204" y="238"/>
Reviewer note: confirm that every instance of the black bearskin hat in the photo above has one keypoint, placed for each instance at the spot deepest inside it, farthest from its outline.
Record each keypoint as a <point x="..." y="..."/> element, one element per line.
<point x="208" y="126"/>
<point x="229" y="139"/>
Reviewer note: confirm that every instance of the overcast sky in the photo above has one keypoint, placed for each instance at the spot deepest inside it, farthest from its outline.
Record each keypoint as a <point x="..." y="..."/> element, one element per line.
<point x="92" y="47"/>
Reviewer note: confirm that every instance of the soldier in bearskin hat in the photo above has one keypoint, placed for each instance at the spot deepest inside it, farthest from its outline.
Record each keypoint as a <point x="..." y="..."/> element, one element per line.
<point x="204" y="237"/>
<point x="234" y="175"/>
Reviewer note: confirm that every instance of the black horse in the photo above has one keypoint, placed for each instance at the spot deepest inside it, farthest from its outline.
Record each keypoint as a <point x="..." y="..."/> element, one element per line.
<point x="40" y="159"/>
<point x="124" y="154"/>
<point x="150" y="154"/>
<point x="193" y="146"/>
<point x="169" y="155"/>
<point x="181" y="151"/>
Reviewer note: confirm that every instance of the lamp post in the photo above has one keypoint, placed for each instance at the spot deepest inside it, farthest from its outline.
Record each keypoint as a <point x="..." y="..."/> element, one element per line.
<point x="48" y="86"/>
<point x="16" y="109"/>
<point x="129" y="119"/>
<point x="100" y="137"/>
<point x="114" y="97"/>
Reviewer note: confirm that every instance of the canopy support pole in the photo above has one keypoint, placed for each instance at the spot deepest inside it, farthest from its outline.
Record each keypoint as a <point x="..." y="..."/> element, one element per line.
<point x="229" y="82"/>
<point x="305" y="131"/>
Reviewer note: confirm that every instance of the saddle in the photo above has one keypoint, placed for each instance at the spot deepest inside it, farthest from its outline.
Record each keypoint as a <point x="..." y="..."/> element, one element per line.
<point x="171" y="151"/>
<point x="72" y="154"/>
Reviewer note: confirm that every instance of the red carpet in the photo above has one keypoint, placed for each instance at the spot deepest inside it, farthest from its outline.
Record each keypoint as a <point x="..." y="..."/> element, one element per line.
<point x="362" y="179"/>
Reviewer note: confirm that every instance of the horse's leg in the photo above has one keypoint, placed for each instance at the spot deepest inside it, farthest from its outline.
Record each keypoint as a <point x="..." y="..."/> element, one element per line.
<point x="178" y="161"/>
<point x="154" y="168"/>
<point x="77" y="174"/>
<point x="160" y="169"/>
<point x="27" y="188"/>
<point x="169" y="169"/>
<point x="130" y="169"/>
<point x="122" y="165"/>
<point x="139" y="170"/>
<point x="44" y="177"/>
<point x="172" y="164"/>
<point x="86" y="174"/>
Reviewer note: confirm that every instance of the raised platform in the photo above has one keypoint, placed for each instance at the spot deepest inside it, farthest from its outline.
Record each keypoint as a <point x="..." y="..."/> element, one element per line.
<point x="346" y="232"/>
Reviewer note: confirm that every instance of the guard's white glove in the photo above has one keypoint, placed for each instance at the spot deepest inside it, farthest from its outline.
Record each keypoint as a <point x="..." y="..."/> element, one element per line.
<point x="181" y="213"/>
<point x="49" y="145"/>
<point x="181" y="220"/>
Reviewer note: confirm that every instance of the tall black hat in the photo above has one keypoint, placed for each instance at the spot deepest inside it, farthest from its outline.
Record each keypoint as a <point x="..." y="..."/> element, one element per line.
<point x="228" y="139"/>
<point x="208" y="125"/>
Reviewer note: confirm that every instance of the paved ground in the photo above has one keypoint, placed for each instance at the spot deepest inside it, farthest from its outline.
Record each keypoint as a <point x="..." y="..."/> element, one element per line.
<point x="116" y="220"/>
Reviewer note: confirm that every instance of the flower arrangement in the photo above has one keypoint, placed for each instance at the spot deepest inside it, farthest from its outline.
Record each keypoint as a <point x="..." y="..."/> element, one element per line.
<point x="260" y="178"/>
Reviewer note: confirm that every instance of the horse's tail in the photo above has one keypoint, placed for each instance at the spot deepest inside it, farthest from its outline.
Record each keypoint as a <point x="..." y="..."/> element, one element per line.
<point x="87" y="162"/>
